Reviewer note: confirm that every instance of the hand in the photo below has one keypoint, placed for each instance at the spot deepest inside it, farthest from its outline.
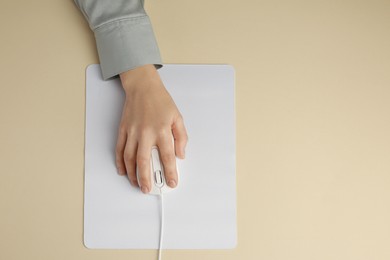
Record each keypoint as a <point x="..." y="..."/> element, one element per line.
<point x="149" y="117"/>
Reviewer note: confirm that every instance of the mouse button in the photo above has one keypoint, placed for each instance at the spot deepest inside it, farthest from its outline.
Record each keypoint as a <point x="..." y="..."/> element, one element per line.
<point x="158" y="178"/>
<point x="156" y="160"/>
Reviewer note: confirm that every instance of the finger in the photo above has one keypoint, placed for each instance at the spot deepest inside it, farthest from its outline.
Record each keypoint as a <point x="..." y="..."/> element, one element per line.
<point x="143" y="164"/>
<point x="180" y="135"/>
<point x="130" y="154"/>
<point x="167" y="156"/>
<point x="120" y="146"/>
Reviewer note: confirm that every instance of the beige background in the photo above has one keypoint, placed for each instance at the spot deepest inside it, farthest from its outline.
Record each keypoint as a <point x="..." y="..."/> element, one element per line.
<point x="313" y="124"/>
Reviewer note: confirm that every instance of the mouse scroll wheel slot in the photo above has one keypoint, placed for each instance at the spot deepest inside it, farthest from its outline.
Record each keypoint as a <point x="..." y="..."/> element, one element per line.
<point x="158" y="177"/>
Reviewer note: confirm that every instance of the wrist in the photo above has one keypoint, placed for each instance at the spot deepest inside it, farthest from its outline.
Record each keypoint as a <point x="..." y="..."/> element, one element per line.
<point x="139" y="78"/>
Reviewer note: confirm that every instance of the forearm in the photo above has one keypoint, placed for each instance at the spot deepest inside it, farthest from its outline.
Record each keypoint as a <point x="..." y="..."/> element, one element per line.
<point x="124" y="35"/>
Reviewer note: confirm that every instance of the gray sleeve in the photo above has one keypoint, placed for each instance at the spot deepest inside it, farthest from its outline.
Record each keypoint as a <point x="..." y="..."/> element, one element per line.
<point x="123" y="33"/>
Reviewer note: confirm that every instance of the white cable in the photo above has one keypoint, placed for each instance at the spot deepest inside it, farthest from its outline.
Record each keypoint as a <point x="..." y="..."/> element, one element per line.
<point x="161" y="226"/>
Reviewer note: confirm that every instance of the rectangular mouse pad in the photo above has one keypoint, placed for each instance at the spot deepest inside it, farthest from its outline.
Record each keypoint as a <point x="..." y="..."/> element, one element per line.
<point x="201" y="212"/>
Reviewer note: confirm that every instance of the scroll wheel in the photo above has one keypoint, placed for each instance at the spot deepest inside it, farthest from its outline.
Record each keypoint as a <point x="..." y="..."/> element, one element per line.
<point x="158" y="177"/>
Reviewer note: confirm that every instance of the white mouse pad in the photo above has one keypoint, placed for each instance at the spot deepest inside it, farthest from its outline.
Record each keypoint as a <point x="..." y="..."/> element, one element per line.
<point x="201" y="212"/>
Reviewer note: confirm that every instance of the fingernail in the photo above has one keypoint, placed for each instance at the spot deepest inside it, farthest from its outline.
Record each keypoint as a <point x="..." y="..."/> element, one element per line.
<point x="172" y="183"/>
<point x="144" y="189"/>
<point x="121" y="172"/>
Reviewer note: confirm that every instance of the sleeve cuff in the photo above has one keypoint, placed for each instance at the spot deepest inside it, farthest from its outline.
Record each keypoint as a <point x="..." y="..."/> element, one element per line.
<point x="125" y="44"/>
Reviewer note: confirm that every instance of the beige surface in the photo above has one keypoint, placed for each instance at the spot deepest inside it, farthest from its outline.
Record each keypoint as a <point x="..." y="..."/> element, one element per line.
<point x="313" y="124"/>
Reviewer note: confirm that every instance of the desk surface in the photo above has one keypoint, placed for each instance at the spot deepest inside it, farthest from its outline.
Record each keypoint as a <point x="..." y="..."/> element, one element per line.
<point x="312" y="124"/>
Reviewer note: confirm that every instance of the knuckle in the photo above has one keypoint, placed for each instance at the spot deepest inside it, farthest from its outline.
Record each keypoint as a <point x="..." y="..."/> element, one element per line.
<point x="142" y="161"/>
<point x="128" y="157"/>
<point x="131" y="132"/>
<point x="118" y="161"/>
<point x="131" y="173"/>
<point x="170" y="173"/>
<point x="119" y="148"/>
<point x="132" y="177"/>
<point x="144" y="132"/>
<point x="143" y="179"/>
<point x="162" y="132"/>
<point x="118" y="154"/>
<point x="168" y="157"/>
<point x="122" y="130"/>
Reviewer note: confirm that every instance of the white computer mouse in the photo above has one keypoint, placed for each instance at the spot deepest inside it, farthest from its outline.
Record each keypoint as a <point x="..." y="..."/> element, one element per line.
<point x="157" y="174"/>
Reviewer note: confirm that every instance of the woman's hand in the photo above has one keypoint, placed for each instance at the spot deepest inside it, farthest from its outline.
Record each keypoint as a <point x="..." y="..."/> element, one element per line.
<point x="150" y="117"/>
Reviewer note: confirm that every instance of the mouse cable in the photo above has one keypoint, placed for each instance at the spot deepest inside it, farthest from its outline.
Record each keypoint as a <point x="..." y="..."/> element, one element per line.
<point x="161" y="226"/>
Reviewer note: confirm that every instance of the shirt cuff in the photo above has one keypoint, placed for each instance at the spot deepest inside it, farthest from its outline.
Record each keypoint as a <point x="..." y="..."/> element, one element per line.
<point x="125" y="44"/>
